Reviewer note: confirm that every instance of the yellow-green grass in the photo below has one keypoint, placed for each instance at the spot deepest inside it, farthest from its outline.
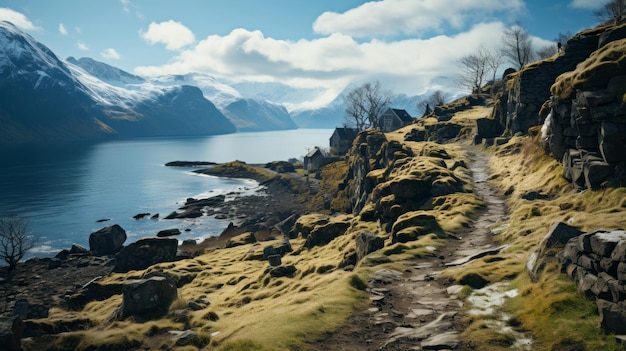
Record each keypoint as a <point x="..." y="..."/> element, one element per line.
<point x="249" y="309"/>
<point x="551" y="310"/>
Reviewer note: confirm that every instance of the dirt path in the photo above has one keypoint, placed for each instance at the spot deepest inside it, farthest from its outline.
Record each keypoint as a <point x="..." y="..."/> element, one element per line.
<point x="417" y="309"/>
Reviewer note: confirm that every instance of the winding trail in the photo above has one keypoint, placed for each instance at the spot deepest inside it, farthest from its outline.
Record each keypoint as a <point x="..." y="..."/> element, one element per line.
<point x="417" y="309"/>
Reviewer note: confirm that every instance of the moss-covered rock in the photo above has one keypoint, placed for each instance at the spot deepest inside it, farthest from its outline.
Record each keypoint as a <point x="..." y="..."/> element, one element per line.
<point x="412" y="225"/>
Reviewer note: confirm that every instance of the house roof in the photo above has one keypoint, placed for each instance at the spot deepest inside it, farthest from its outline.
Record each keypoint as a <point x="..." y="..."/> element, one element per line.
<point x="346" y="133"/>
<point x="314" y="151"/>
<point x="402" y="115"/>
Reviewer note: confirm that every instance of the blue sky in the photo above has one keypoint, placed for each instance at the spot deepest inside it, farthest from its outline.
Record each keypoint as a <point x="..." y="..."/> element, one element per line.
<point x="406" y="44"/>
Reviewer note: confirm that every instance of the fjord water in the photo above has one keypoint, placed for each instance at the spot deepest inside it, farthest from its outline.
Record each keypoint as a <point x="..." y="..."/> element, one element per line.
<point x="63" y="190"/>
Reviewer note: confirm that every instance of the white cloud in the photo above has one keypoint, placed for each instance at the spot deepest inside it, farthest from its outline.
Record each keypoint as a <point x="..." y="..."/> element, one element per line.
<point x="82" y="46"/>
<point x="62" y="29"/>
<point x="588" y="4"/>
<point x="332" y="62"/>
<point x="390" y="17"/>
<point x="111" y="54"/>
<point x="128" y="7"/>
<point x="173" y="34"/>
<point x="78" y="30"/>
<point x="18" y="19"/>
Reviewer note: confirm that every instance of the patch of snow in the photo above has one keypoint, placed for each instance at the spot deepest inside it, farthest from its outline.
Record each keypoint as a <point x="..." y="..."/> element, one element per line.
<point x="486" y="302"/>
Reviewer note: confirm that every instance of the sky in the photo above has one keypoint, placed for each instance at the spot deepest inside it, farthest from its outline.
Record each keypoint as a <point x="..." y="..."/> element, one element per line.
<point x="408" y="45"/>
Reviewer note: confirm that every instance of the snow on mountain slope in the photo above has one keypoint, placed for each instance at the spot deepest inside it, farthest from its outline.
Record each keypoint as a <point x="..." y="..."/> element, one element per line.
<point x="44" y="98"/>
<point x="106" y="73"/>
<point x="217" y="92"/>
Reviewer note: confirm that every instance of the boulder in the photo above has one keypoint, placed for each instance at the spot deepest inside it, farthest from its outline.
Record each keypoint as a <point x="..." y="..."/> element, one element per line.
<point x="148" y="298"/>
<point x="275" y="260"/>
<point x="488" y="128"/>
<point x="281" y="271"/>
<point x="145" y="252"/>
<point x="11" y="330"/>
<point x="412" y="225"/>
<point x="241" y="239"/>
<point x="107" y="240"/>
<point x="278" y="249"/>
<point x="168" y="232"/>
<point x="367" y="243"/>
<point x="612" y="316"/>
<point x="25" y="310"/>
<point x="323" y="234"/>
<point x="78" y="250"/>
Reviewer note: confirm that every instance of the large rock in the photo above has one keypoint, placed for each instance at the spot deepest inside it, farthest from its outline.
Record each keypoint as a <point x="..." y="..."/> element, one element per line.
<point x="241" y="239"/>
<point x="144" y="253"/>
<point x="411" y="225"/>
<point x="148" y="298"/>
<point x="612" y="316"/>
<point x="367" y="243"/>
<point x="323" y="234"/>
<point x="107" y="240"/>
<point x="554" y="241"/>
<point x="11" y="330"/>
<point x="488" y="128"/>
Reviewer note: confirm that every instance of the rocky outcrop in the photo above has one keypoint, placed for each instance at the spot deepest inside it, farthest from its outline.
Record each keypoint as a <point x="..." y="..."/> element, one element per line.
<point x="195" y="208"/>
<point x="11" y="330"/>
<point x="586" y="127"/>
<point x="597" y="262"/>
<point x="148" y="298"/>
<point x="241" y="239"/>
<point x="145" y="252"/>
<point x="107" y="240"/>
<point x="552" y="244"/>
<point x="530" y="88"/>
<point x="367" y="243"/>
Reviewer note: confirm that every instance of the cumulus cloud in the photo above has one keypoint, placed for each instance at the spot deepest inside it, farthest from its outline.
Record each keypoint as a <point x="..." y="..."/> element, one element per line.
<point x="111" y="54"/>
<point x="18" y="19"/>
<point x="62" y="29"/>
<point x="588" y="4"/>
<point x="391" y="17"/>
<point x="330" y="62"/>
<point x="82" y="46"/>
<point x="173" y="34"/>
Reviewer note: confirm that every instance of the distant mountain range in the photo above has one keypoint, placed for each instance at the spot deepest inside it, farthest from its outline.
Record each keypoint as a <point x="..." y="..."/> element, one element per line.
<point x="44" y="98"/>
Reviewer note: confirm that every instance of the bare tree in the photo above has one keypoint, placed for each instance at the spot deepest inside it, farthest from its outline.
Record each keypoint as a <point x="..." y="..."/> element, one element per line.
<point x="15" y="240"/>
<point x="517" y="46"/>
<point x="614" y="10"/>
<point x="365" y="104"/>
<point x="473" y="70"/>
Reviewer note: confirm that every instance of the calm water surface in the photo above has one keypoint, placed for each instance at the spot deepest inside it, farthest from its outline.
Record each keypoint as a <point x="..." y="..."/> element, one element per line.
<point x="63" y="190"/>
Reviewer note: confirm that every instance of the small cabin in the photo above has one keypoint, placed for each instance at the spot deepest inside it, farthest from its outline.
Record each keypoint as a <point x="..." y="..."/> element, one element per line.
<point x="341" y="140"/>
<point x="393" y="119"/>
<point x="314" y="159"/>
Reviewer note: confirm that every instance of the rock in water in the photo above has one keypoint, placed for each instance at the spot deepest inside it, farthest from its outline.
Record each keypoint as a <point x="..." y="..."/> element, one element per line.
<point x="107" y="240"/>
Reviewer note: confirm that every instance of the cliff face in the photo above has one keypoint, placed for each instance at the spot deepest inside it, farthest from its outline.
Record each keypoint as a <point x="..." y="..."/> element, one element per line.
<point x="578" y="96"/>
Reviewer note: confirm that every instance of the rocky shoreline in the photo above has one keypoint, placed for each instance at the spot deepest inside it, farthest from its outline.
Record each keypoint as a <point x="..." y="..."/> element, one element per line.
<point x="66" y="280"/>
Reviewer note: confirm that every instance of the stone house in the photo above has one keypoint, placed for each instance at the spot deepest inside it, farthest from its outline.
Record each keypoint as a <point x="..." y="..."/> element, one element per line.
<point x="314" y="159"/>
<point x="341" y="140"/>
<point x="393" y="119"/>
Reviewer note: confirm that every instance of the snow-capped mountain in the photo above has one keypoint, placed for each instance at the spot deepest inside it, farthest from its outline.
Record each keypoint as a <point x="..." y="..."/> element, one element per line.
<point x="108" y="74"/>
<point x="45" y="98"/>
<point x="247" y="113"/>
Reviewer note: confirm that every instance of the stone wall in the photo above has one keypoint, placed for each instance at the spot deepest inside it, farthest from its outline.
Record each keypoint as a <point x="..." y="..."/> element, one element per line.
<point x="597" y="262"/>
<point x="530" y="88"/>
<point x="588" y="134"/>
<point x="586" y="126"/>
